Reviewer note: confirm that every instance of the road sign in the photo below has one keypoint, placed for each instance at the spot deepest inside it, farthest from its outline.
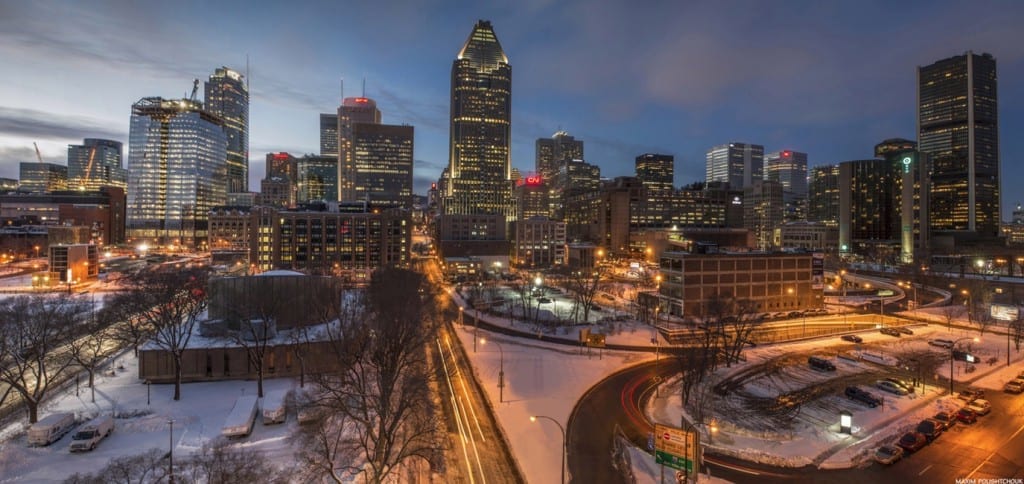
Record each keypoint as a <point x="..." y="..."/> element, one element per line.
<point x="678" y="449"/>
<point x="595" y="340"/>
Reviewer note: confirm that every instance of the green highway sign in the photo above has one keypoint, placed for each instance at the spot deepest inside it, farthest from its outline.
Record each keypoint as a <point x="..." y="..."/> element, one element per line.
<point x="673" y="461"/>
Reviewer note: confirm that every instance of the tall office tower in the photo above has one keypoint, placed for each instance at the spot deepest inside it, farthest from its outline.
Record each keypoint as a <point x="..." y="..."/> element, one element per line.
<point x="573" y="178"/>
<point x="555" y="151"/>
<point x="42" y="177"/>
<point x="177" y="169"/>
<point x="868" y="217"/>
<point x="381" y="158"/>
<point x="96" y="163"/>
<point x="227" y="95"/>
<point x="317" y="179"/>
<point x="282" y="164"/>
<point x="790" y="169"/>
<point x="656" y="172"/>
<point x="532" y="198"/>
<point x="823" y="195"/>
<point x="958" y="128"/>
<point x="908" y="171"/>
<point x="353" y="111"/>
<point x="738" y="164"/>
<point x="762" y="211"/>
<point x="894" y="145"/>
<point x="480" y="137"/>
<point x="328" y="134"/>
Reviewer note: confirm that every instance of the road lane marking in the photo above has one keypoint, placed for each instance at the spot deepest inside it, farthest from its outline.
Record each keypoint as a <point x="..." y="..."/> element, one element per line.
<point x="998" y="448"/>
<point x="925" y="469"/>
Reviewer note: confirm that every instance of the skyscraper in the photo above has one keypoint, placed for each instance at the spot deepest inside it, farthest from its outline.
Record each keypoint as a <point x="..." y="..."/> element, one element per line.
<point x="382" y="165"/>
<point x="553" y="152"/>
<point x="353" y="110"/>
<point x="177" y="169"/>
<point x="317" y="178"/>
<point x="42" y="177"/>
<point x="227" y="96"/>
<point x="738" y="164"/>
<point x="790" y="169"/>
<point x="958" y="128"/>
<point x="328" y="134"/>
<point x="96" y="163"/>
<point x="656" y="172"/>
<point x="823" y="197"/>
<point x="480" y="137"/>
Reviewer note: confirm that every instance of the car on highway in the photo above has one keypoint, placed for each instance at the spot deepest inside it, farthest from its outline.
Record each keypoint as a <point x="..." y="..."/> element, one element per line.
<point x="980" y="406"/>
<point x="930" y="428"/>
<point x="971" y="394"/>
<point x="912" y="441"/>
<point x="888" y="454"/>
<point x="966" y="415"/>
<point x="1014" y="386"/>
<point x="852" y="338"/>
<point x="941" y="343"/>
<point x="890" y="387"/>
<point x="904" y="330"/>
<point x="890" y="332"/>
<point x="947" y="419"/>
<point x="865" y="397"/>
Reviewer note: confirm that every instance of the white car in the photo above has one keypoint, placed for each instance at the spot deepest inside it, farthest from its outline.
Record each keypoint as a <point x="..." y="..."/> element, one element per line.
<point x="1014" y="386"/>
<point x="887" y="454"/>
<point x="980" y="406"/>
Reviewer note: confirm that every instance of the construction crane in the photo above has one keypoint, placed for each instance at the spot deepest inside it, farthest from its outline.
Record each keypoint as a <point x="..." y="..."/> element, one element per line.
<point x="195" y="88"/>
<point x="84" y="183"/>
<point x="38" y="154"/>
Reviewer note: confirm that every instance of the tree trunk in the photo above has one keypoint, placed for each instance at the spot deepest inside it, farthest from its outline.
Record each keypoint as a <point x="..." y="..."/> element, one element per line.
<point x="302" y="372"/>
<point x="33" y="410"/>
<point x="92" y="380"/>
<point x="177" y="376"/>
<point x="259" y="379"/>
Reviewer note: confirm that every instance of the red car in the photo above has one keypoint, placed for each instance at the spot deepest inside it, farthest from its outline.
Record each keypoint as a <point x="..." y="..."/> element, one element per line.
<point x="912" y="441"/>
<point x="966" y="415"/>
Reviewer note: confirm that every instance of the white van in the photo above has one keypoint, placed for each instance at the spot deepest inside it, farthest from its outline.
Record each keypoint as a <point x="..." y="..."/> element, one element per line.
<point x="50" y="429"/>
<point x="90" y="434"/>
<point x="274" y="407"/>
<point x="242" y="417"/>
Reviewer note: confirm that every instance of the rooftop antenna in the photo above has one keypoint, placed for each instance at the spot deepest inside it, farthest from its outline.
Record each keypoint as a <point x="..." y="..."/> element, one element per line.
<point x="342" y="89"/>
<point x="247" y="78"/>
<point x="364" y="87"/>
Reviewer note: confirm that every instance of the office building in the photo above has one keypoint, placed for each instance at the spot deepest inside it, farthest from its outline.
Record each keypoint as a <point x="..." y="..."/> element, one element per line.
<point x="552" y="152"/>
<point x="894" y="145"/>
<point x="762" y="211"/>
<point x="823" y="195"/>
<point x="96" y="163"/>
<point x="42" y="177"/>
<point x="317" y="179"/>
<point x="573" y="177"/>
<point x="908" y="170"/>
<point x="656" y="172"/>
<point x="958" y="128"/>
<point x="738" y="164"/>
<point x="101" y="212"/>
<point x="375" y="160"/>
<point x="790" y="169"/>
<point x="177" y="169"/>
<point x="480" y="137"/>
<point x="8" y="185"/>
<point x="328" y="134"/>
<point x="532" y="198"/>
<point x="868" y="218"/>
<point x="226" y="95"/>
<point x="538" y="243"/>
<point x="353" y="111"/>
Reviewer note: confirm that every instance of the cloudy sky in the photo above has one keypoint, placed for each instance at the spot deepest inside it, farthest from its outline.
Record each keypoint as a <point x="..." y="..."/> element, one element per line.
<point x="828" y="78"/>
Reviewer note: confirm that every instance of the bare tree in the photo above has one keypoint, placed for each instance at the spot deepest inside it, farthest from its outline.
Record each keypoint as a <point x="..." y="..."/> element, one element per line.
<point x="744" y="321"/>
<point x="32" y="332"/>
<point x="1016" y="329"/>
<point x="92" y="349"/>
<point x="223" y="463"/>
<point x="381" y="386"/>
<point x="584" y="285"/>
<point x="170" y="302"/>
<point x="324" y="448"/>
<point x="133" y="469"/>
<point x="126" y="327"/>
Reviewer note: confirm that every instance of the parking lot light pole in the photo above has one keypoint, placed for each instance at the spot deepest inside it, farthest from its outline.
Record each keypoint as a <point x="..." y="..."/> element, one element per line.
<point x="170" y="455"/>
<point x="951" y="347"/>
<point x="534" y="419"/>
<point x="501" y="371"/>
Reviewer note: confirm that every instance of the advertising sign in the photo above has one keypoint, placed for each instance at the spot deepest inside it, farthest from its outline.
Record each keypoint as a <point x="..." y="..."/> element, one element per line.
<point x="817" y="270"/>
<point x="678" y="449"/>
<point x="1005" y="312"/>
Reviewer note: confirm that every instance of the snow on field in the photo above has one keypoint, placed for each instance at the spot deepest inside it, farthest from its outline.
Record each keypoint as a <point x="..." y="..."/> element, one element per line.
<point x="198" y="418"/>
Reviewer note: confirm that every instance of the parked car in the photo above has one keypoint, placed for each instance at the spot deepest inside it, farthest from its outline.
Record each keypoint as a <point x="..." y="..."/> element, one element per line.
<point x="890" y="387"/>
<point x="942" y="343"/>
<point x="867" y="398"/>
<point x="852" y="338"/>
<point x="904" y="330"/>
<point x="90" y="434"/>
<point x="1014" y="386"/>
<point x="966" y="415"/>
<point x="1020" y="376"/>
<point x="890" y="331"/>
<point x="947" y="419"/>
<point x="888" y="454"/>
<point x="242" y="417"/>
<point x="970" y="394"/>
<point x="274" y="408"/>
<point x="795" y="314"/>
<point x="930" y="428"/>
<point x="980" y="406"/>
<point x="543" y="300"/>
<point x="821" y="364"/>
<point x="912" y="441"/>
<point x="906" y="386"/>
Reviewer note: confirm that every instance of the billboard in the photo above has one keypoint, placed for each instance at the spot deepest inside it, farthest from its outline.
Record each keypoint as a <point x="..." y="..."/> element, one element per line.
<point x="1004" y="312"/>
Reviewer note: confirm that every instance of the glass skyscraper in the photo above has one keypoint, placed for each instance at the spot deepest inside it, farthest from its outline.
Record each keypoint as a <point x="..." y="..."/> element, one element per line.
<point x="480" y="136"/>
<point x="958" y="128"/>
<point x="353" y="111"/>
<point x="96" y="163"/>
<point x="382" y="161"/>
<point x="177" y="169"/>
<point x="227" y="96"/>
<point x="738" y="164"/>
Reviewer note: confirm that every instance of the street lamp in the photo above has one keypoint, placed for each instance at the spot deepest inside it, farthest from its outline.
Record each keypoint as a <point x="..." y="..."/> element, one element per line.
<point x="712" y="430"/>
<point x="37" y="251"/>
<point x="501" y="371"/>
<point x="975" y="339"/>
<point x="461" y="309"/>
<point x="534" y="418"/>
<point x="970" y="307"/>
<point x="170" y="460"/>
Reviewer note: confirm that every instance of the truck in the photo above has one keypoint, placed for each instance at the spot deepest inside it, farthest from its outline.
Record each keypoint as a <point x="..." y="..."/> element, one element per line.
<point x="90" y="434"/>
<point x="274" y="407"/>
<point x="242" y="417"/>
<point x="50" y="429"/>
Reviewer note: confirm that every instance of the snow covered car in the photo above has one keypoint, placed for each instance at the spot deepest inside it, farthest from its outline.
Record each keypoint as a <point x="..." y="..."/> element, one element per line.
<point x="1014" y="386"/>
<point x="888" y="454"/>
<point x="980" y="406"/>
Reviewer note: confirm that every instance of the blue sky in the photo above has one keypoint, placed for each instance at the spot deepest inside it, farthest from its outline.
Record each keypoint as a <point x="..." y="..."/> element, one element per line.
<point x="828" y="78"/>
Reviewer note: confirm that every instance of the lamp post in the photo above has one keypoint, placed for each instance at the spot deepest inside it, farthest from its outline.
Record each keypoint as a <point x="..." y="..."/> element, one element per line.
<point x="970" y="307"/>
<point x="148" y="384"/>
<point x="461" y="309"/>
<point x="842" y="281"/>
<point x="170" y="460"/>
<point x="534" y="418"/>
<point x="951" y="347"/>
<point x="37" y="251"/>
<point x="712" y="430"/>
<point x="501" y="371"/>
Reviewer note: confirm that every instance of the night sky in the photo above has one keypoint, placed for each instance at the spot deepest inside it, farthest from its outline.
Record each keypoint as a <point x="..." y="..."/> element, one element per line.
<point x="828" y="78"/>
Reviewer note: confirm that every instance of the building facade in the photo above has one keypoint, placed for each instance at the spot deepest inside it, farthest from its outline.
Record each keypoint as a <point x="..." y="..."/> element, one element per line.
<point x="552" y="152"/>
<point x="958" y="128"/>
<point x="226" y="95"/>
<point x="177" y="169"/>
<point x="317" y="178"/>
<point x="230" y="228"/>
<point x="480" y="134"/>
<point x="382" y="164"/>
<point x="738" y="164"/>
<point x="656" y="172"/>
<point x="532" y="198"/>
<point x="762" y="211"/>
<point x="42" y="177"/>
<point x="790" y="169"/>
<point x="101" y="211"/>
<point x="868" y="220"/>
<point x="328" y="134"/>
<point x="352" y="112"/>
<point x="538" y="243"/>
<point x="96" y="163"/>
<point x="823" y="195"/>
<point x="810" y="236"/>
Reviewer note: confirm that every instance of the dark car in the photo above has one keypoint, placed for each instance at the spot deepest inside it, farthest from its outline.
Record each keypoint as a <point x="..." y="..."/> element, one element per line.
<point x="966" y="415"/>
<point x="852" y="338"/>
<point x="867" y="398"/>
<point x="947" y="419"/>
<point x="912" y="441"/>
<point x="904" y="330"/>
<point x="971" y="394"/>
<point x="890" y="332"/>
<point x="543" y="300"/>
<point x="930" y="428"/>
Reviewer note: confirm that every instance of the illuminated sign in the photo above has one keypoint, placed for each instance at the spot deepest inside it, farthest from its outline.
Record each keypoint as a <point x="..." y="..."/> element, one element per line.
<point x="281" y="156"/>
<point x="907" y="160"/>
<point x="1004" y="312"/>
<point x="785" y="153"/>
<point x="533" y="180"/>
<point x="433" y="186"/>
<point x="362" y="100"/>
<point x="737" y="201"/>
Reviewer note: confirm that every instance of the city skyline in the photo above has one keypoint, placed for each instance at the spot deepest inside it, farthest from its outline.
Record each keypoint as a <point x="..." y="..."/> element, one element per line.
<point x="688" y="80"/>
